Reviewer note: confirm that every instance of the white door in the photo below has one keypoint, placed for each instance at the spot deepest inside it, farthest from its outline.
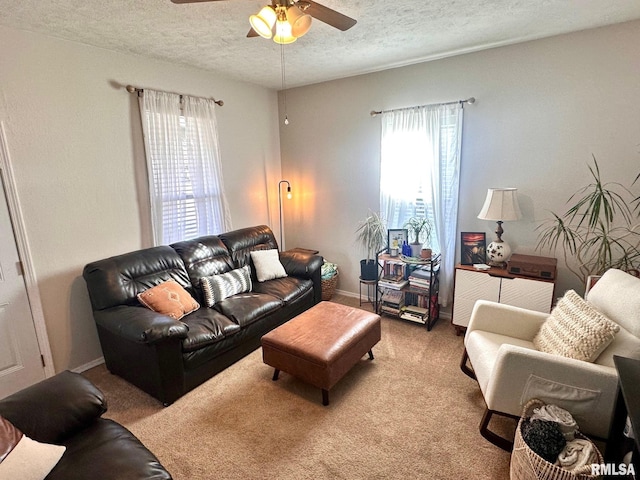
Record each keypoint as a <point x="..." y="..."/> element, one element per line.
<point x="20" y="359"/>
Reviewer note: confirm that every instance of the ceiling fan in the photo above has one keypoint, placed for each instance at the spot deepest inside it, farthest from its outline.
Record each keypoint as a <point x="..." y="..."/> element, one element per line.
<point x="287" y="20"/>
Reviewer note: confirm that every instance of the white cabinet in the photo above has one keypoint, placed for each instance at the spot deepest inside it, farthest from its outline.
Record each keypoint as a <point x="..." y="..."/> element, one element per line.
<point x="498" y="286"/>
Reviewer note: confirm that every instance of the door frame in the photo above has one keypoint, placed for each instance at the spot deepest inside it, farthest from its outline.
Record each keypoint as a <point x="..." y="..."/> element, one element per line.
<point x="28" y="271"/>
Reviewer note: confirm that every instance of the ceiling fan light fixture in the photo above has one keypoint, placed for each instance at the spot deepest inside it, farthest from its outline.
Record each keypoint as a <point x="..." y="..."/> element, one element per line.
<point x="283" y="33"/>
<point x="263" y="22"/>
<point x="300" y="22"/>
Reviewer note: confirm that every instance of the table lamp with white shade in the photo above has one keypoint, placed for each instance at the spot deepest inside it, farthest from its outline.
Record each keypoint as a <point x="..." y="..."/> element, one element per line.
<point x="500" y="205"/>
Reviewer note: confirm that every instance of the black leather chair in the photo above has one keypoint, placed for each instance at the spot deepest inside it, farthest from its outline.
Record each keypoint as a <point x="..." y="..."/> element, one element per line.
<point x="67" y="409"/>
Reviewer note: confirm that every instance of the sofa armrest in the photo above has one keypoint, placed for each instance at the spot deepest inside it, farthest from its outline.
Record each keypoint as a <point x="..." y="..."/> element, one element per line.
<point x="305" y="265"/>
<point x="140" y="324"/>
<point x="55" y="408"/>
<point x="587" y="390"/>
<point x="506" y="320"/>
<point x="300" y="264"/>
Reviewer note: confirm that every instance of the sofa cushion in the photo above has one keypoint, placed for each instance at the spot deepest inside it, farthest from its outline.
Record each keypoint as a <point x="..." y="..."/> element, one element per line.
<point x="247" y="308"/>
<point x="206" y="326"/>
<point x="575" y="329"/>
<point x="169" y="299"/>
<point x="267" y="264"/>
<point x="24" y="458"/>
<point x="118" y="280"/>
<point x="287" y="289"/>
<point x="242" y="242"/>
<point x="218" y="287"/>
<point x="203" y="257"/>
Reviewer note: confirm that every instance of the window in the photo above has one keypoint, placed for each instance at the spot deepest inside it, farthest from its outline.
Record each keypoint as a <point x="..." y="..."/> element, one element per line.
<point x="184" y="168"/>
<point x="419" y="175"/>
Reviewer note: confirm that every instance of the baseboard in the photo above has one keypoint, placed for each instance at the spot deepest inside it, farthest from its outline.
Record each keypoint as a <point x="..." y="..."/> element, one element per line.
<point x="89" y="365"/>
<point x="346" y="294"/>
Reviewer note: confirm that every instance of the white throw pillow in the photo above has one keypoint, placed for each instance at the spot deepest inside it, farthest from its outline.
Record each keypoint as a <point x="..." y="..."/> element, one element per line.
<point x="575" y="329"/>
<point x="267" y="264"/>
<point x="31" y="460"/>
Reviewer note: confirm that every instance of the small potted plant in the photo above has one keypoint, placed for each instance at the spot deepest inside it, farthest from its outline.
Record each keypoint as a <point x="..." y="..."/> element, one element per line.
<point x="372" y="235"/>
<point x="420" y="228"/>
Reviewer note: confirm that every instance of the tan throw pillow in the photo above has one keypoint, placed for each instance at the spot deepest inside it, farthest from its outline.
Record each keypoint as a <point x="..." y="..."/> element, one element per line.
<point x="267" y="264"/>
<point x="170" y="299"/>
<point x="575" y="329"/>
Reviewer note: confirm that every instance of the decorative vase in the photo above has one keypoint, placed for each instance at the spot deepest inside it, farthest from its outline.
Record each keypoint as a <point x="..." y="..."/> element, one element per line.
<point x="498" y="253"/>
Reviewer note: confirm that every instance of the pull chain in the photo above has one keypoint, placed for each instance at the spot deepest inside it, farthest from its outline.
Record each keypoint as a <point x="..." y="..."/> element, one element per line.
<point x="284" y="84"/>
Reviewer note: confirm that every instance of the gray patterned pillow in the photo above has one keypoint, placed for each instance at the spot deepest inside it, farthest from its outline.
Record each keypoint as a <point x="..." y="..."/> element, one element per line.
<point x="575" y="329"/>
<point x="218" y="287"/>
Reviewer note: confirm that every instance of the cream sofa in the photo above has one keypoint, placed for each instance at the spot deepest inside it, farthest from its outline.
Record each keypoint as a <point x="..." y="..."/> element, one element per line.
<point x="510" y="370"/>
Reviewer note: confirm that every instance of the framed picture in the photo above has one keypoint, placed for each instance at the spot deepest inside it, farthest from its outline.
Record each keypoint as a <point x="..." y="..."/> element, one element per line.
<point x="395" y="237"/>
<point x="473" y="248"/>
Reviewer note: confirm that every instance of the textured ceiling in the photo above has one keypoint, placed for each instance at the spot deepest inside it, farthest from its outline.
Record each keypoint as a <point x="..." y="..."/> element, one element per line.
<point x="212" y="35"/>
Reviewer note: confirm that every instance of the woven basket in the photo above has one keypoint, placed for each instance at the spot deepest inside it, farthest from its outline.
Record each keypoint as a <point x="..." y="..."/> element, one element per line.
<point x="528" y="465"/>
<point x="329" y="287"/>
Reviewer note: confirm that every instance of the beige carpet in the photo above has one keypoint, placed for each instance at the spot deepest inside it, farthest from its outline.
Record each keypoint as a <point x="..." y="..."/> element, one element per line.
<point x="409" y="414"/>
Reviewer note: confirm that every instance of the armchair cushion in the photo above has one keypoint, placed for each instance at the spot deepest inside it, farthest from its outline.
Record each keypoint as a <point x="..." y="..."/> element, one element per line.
<point x="575" y="329"/>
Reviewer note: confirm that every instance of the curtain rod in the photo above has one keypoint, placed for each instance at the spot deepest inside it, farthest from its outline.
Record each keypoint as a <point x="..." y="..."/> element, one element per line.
<point x="132" y="89"/>
<point x="469" y="100"/>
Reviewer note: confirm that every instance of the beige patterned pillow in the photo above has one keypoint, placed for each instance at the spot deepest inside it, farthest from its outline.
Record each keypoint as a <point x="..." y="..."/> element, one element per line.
<point x="169" y="298"/>
<point x="575" y="329"/>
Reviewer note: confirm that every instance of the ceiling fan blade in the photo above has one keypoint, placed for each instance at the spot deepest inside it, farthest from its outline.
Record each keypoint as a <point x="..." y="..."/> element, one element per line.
<point x="328" y="16"/>
<point x="193" y="1"/>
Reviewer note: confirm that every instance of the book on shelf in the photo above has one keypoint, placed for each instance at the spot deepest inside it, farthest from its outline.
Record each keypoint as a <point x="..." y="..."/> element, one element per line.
<point x="417" y="283"/>
<point x="392" y="278"/>
<point x="393" y="285"/>
<point x="413" y="313"/>
<point x="421" y="273"/>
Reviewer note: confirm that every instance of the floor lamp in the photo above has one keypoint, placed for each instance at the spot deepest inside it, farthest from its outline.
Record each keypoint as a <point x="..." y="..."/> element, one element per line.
<point x="280" y="205"/>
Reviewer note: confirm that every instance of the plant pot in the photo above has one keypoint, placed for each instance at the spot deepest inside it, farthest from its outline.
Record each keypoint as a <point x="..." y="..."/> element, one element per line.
<point x="425" y="253"/>
<point x="368" y="269"/>
<point x="415" y="249"/>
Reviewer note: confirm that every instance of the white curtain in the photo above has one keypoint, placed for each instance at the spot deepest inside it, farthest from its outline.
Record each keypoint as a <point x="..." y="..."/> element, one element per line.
<point x="183" y="165"/>
<point x="420" y="174"/>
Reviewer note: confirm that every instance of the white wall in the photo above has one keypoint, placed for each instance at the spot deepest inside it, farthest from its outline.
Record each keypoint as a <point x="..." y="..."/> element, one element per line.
<point x="75" y="145"/>
<point x="543" y="108"/>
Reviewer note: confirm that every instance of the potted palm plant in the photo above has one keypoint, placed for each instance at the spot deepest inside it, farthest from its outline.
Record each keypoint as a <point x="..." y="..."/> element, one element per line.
<point x="420" y="228"/>
<point x="372" y="235"/>
<point x="601" y="230"/>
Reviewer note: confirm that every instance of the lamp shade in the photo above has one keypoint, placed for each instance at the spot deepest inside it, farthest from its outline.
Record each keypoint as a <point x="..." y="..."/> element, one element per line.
<point x="283" y="33"/>
<point x="501" y="204"/>
<point x="300" y="22"/>
<point x="263" y="22"/>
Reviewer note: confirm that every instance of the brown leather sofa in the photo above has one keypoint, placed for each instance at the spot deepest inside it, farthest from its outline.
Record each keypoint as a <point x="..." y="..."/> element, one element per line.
<point x="67" y="409"/>
<point x="167" y="358"/>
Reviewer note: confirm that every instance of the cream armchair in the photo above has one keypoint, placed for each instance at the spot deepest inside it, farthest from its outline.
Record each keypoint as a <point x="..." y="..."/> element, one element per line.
<point x="510" y="370"/>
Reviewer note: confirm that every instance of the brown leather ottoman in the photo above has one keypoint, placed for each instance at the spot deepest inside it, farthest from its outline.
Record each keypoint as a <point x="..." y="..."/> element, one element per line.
<point x="321" y="345"/>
